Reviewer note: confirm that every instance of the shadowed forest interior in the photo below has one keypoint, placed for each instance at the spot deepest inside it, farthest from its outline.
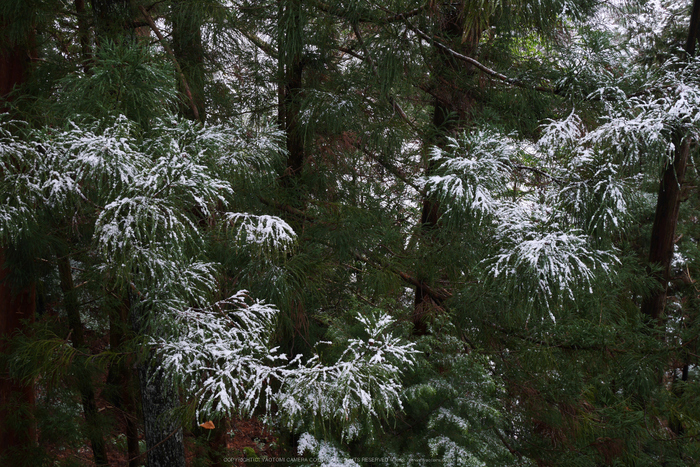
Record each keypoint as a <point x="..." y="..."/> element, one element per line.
<point x="349" y="233"/>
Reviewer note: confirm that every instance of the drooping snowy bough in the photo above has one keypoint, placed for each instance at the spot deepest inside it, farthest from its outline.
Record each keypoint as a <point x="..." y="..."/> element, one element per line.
<point x="222" y="356"/>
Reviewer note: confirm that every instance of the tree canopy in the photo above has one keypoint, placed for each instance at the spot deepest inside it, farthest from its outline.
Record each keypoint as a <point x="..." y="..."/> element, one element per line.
<point x="396" y="233"/>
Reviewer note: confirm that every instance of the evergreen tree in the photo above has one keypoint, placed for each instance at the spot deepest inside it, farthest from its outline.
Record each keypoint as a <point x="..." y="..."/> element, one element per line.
<point x="412" y="230"/>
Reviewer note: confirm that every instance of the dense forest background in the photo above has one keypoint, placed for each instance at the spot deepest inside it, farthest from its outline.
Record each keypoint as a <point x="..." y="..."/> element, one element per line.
<point x="462" y="232"/>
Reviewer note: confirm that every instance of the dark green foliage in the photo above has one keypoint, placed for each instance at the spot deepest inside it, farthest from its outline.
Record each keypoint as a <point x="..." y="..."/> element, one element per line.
<point x="533" y="350"/>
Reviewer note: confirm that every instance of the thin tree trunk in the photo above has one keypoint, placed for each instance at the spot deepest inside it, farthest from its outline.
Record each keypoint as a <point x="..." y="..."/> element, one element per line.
<point x="183" y="80"/>
<point x="164" y="437"/>
<point x="281" y="111"/>
<point x="694" y="29"/>
<point x="87" y="392"/>
<point x="159" y="399"/>
<point x="189" y="53"/>
<point x="119" y="381"/>
<point x="290" y="51"/>
<point x="668" y="202"/>
<point x="83" y="35"/>
<point x="664" y="228"/>
<point x="450" y="112"/>
<point x="17" y="429"/>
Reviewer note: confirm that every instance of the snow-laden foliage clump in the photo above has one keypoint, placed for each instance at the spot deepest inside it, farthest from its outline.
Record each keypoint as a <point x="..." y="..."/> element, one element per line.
<point x="453" y="454"/>
<point x="248" y="153"/>
<point x="540" y="235"/>
<point x="552" y="237"/>
<point x="223" y="358"/>
<point x="541" y="257"/>
<point x="561" y="134"/>
<point x="363" y="383"/>
<point x="144" y="200"/>
<point x="268" y="233"/>
<point x="144" y="197"/>
<point x="471" y="172"/>
<point x="637" y="129"/>
<point x="221" y="353"/>
<point x="601" y="169"/>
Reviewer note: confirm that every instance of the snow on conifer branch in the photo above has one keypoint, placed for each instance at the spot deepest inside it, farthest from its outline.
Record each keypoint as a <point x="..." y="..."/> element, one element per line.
<point x="326" y="454"/>
<point x="472" y="171"/>
<point x="544" y="261"/>
<point x="268" y="233"/>
<point x="600" y="202"/>
<point x="19" y="191"/>
<point x="221" y="354"/>
<point x="363" y="383"/>
<point x="245" y="151"/>
<point x="561" y="134"/>
<point x="640" y="128"/>
<point x="223" y="357"/>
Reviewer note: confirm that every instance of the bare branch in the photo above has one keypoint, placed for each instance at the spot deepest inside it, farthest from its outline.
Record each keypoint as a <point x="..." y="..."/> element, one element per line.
<point x="477" y="64"/>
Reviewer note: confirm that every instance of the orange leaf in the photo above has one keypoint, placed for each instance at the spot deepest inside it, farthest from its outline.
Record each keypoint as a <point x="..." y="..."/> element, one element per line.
<point x="208" y="425"/>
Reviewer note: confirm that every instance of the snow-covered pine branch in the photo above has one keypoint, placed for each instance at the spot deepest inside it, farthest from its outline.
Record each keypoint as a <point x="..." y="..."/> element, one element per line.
<point x="540" y="250"/>
<point x="221" y="354"/>
<point x="603" y="167"/>
<point x="472" y="172"/>
<point x="266" y="234"/>
<point x="247" y="154"/>
<point x="542" y="260"/>
<point x="363" y="384"/>
<point x="597" y="198"/>
<point x="638" y="130"/>
<point x="223" y="358"/>
<point x="143" y="197"/>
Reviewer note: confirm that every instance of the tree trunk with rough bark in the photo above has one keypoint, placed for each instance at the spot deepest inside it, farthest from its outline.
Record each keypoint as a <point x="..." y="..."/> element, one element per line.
<point x="189" y="53"/>
<point x="664" y="229"/>
<point x="291" y="71"/>
<point x="119" y="390"/>
<point x="83" y="35"/>
<point x="85" y="386"/>
<point x="164" y="438"/>
<point x="451" y="111"/>
<point x="17" y="429"/>
<point x="668" y="202"/>
<point x="159" y="399"/>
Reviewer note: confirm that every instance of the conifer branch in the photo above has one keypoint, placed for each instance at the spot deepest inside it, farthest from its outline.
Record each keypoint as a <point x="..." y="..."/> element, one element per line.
<point x="391" y="168"/>
<point x="479" y="65"/>
<point x="170" y="52"/>
<point x="392" y="18"/>
<point x="439" y="295"/>
<point x="268" y="49"/>
<point x="288" y="209"/>
<point x="559" y="181"/>
<point x="352" y="53"/>
<point x="516" y="334"/>
<point x="375" y="72"/>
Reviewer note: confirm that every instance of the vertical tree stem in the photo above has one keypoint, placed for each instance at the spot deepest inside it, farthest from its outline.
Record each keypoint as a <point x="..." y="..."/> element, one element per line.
<point x="167" y="48"/>
<point x="87" y="392"/>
